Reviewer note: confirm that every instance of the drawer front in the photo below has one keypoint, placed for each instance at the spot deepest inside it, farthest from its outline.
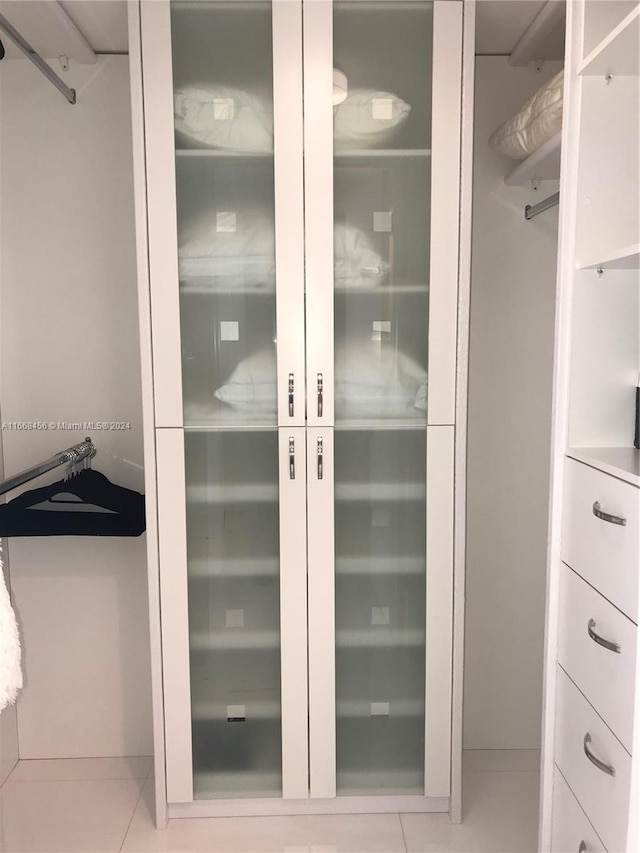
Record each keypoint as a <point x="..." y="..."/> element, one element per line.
<point x="571" y="832"/>
<point x="604" y="798"/>
<point x="604" y="553"/>
<point x="604" y="676"/>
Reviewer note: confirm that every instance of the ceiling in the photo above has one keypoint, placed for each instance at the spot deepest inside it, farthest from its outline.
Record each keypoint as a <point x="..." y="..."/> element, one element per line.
<point x="103" y="23"/>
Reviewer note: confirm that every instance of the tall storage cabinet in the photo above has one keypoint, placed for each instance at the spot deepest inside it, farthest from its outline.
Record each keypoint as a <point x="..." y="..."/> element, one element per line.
<point x="302" y="196"/>
<point x="591" y="738"/>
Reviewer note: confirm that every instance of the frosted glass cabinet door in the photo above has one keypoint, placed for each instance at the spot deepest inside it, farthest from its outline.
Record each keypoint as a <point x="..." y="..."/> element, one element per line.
<point x="382" y="171"/>
<point x="223" y="113"/>
<point x="211" y="113"/>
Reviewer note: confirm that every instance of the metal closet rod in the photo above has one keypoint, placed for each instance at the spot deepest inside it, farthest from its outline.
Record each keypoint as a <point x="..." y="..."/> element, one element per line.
<point x="38" y="61"/>
<point x="533" y="210"/>
<point x="86" y="450"/>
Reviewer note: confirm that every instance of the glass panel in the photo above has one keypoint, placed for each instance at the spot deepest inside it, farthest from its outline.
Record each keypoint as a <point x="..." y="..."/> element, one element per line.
<point x="223" y="109"/>
<point x="382" y="129"/>
<point x="234" y="612"/>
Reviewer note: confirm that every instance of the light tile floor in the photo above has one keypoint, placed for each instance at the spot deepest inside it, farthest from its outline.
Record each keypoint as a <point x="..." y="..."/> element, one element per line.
<point x="105" y="806"/>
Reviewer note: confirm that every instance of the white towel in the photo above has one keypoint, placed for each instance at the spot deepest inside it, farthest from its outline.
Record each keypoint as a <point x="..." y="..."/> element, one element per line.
<point x="10" y="671"/>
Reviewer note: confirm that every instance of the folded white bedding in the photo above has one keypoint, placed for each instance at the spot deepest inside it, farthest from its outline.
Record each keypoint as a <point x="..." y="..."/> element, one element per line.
<point x="538" y="120"/>
<point x="246" y="255"/>
<point x="227" y="118"/>
<point x="371" y="381"/>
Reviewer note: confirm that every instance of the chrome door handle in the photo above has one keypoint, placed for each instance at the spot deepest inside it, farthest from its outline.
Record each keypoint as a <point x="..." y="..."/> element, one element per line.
<point x="606" y="516"/>
<point x="320" y="452"/>
<point x="320" y="394"/>
<point x="583" y="847"/>
<point x="606" y="644"/>
<point x="292" y="458"/>
<point x="606" y="768"/>
<point x="291" y="395"/>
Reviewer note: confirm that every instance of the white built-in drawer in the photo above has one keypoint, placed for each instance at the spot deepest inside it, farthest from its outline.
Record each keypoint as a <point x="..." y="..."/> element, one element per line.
<point x="571" y="832"/>
<point x="604" y="798"/>
<point x="604" y="553"/>
<point x="606" y="677"/>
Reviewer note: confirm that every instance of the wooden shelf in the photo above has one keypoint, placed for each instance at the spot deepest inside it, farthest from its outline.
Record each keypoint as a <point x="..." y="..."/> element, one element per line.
<point x="221" y="154"/>
<point x="380" y="492"/>
<point x="380" y="637"/>
<point x="234" y="568"/>
<point x="360" y="709"/>
<point x="394" y="566"/>
<point x="210" y="286"/>
<point x="543" y="164"/>
<point x="234" y="784"/>
<point x="619" y="52"/>
<point x="625" y="258"/>
<point x="620" y="462"/>
<point x="355" y="424"/>
<point x="381" y="153"/>
<point x="234" y="640"/>
<point x="244" y="493"/>
<point x="204" y="710"/>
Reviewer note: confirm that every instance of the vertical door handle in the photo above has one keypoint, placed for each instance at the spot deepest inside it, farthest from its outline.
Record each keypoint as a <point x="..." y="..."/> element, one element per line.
<point x="320" y="394"/>
<point x="583" y="847"/>
<point x="291" y="395"/>
<point x="320" y="450"/>
<point x="292" y="458"/>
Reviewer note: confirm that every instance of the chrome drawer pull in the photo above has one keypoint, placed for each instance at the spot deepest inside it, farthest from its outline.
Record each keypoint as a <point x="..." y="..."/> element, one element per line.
<point x="291" y="395"/>
<point x="606" y="516"/>
<point x="606" y="768"/>
<point x="292" y="458"/>
<point x="606" y="644"/>
<point x="320" y="394"/>
<point x="582" y="848"/>
<point x="320" y="450"/>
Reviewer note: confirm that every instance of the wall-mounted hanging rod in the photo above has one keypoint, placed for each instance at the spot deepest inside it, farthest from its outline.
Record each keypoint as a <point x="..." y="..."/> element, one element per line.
<point x="84" y="451"/>
<point x="533" y="210"/>
<point x="38" y="61"/>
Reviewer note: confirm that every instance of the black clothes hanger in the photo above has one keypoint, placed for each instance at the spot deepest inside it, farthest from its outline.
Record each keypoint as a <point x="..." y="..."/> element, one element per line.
<point x="120" y="511"/>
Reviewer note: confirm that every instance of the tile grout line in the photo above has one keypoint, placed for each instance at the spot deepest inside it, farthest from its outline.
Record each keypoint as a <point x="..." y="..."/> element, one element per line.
<point x="404" y="837"/>
<point x="133" y="814"/>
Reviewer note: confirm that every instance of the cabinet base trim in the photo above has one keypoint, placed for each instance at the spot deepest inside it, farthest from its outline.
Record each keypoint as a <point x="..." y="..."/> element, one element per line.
<point x="339" y="805"/>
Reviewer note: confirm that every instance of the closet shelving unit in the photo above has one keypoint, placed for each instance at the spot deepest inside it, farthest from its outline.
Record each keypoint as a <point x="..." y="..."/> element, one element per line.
<point x="306" y="553"/>
<point x="592" y="737"/>
<point x="542" y="165"/>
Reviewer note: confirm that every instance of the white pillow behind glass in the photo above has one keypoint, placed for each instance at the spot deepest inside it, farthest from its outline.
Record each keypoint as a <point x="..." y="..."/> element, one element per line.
<point x="222" y="117"/>
<point x="367" y="117"/>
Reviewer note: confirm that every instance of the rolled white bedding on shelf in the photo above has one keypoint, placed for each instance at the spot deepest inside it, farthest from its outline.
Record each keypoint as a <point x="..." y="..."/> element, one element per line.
<point x="537" y="122"/>
<point x="372" y="381"/>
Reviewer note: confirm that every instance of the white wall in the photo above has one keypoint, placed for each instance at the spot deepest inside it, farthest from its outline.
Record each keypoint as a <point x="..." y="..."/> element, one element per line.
<point x="510" y="372"/>
<point x="8" y="717"/>
<point x="70" y="353"/>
